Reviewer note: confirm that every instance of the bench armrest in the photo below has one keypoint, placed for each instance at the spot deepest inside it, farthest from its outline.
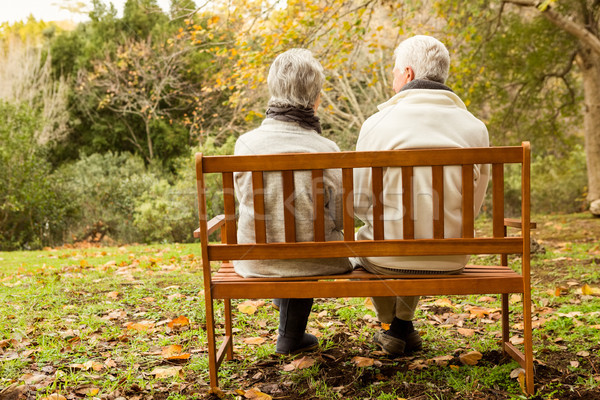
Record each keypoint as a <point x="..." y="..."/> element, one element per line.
<point x="214" y="224"/>
<point x="516" y="223"/>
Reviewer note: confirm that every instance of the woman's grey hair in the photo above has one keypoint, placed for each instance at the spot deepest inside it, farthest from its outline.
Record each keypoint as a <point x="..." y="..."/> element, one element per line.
<point x="427" y="56"/>
<point x="295" y="79"/>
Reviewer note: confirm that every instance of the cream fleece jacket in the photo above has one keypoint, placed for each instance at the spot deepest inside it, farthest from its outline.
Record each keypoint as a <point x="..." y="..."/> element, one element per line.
<point x="419" y="118"/>
<point x="288" y="137"/>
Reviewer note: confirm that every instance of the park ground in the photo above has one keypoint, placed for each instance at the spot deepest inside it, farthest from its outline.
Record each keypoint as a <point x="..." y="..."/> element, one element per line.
<point x="128" y="322"/>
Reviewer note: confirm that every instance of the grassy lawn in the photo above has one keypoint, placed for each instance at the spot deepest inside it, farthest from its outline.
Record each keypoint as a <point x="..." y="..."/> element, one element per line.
<point x="129" y="322"/>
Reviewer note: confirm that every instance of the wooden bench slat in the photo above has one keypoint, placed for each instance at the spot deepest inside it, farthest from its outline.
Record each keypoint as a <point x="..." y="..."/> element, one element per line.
<point x="468" y="218"/>
<point x="498" y="200"/>
<point x="260" y="251"/>
<point x="289" y="218"/>
<point x="437" y="178"/>
<point x="318" y="205"/>
<point x="348" y="203"/>
<point x="408" y="218"/>
<point x="258" y="186"/>
<point x="229" y="208"/>
<point x="366" y="159"/>
<point x="378" y="217"/>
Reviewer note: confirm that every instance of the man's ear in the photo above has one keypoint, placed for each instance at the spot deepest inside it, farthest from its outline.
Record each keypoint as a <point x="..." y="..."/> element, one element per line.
<point x="410" y="74"/>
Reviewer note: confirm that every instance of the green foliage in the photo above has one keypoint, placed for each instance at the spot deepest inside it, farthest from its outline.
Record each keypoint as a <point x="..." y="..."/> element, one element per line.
<point x="105" y="189"/>
<point x="557" y="184"/>
<point x="33" y="206"/>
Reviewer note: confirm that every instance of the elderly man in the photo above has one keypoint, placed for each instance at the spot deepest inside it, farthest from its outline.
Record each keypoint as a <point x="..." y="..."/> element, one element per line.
<point x="291" y="126"/>
<point x="424" y="113"/>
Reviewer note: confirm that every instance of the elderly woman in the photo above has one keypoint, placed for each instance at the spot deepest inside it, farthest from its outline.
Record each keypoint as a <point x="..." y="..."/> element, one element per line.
<point x="295" y="80"/>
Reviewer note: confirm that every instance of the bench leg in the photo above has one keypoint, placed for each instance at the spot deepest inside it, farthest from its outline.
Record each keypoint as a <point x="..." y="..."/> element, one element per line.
<point x="213" y="366"/>
<point x="228" y="328"/>
<point x="505" y="322"/>
<point x="528" y="336"/>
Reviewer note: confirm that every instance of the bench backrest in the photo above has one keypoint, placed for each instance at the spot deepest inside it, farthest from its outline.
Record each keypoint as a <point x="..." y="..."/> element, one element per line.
<point x="377" y="161"/>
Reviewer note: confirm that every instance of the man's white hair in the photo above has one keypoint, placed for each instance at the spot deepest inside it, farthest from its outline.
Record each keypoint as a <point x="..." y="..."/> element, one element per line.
<point x="295" y="79"/>
<point x="427" y="56"/>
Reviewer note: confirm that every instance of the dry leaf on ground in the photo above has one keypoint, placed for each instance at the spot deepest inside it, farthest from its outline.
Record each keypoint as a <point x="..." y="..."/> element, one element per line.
<point x="250" y="306"/>
<point x="363" y="361"/>
<point x="442" y="361"/>
<point x="141" y="326"/>
<point x="256" y="394"/>
<point x="301" y="363"/>
<point x="179" y="323"/>
<point x="466" y="332"/>
<point x="471" y="358"/>
<point x="54" y="396"/>
<point x="255" y="340"/>
<point x="169" y="372"/>
<point x="174" y="352"/>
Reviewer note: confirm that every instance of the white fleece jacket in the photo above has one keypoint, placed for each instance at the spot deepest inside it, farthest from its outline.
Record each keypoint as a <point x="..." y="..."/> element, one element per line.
<point x="274" y="137"/>
<point x="419" y="118"/>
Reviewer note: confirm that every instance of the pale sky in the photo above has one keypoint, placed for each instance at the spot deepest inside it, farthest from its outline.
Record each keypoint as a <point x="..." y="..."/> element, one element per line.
<point x="50" y="10"/>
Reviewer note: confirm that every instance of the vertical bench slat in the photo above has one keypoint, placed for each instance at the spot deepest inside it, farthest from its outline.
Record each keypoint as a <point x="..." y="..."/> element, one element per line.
<point x="260" y="230"/>
<point x="377" y="184"/>
<point x="408" y="222"/>
<point x="289" y="215"/>
<point x="437" y="177"/>
<point x="348" y="203"/>
<point x="229" y="208"/>
<point x="318" y="205"/>
<point x="467" y="201"/>
<point x="498" y="199"/>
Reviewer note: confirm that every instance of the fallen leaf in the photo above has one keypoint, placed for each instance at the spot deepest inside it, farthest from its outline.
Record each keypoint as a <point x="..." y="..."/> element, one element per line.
<point x="113" y="295"/>
<point x="363" y="361"/>
<point x="486" y="299"/>
<point x="443" y="302"/>
<point x="516" y="340"/>
<point x="54" y="396"/>
<point x="442" y="361"/>
<point x="574" y="364"/>
<point x="88" y="391"/>
<point x="583" y="353"/>
<point x="170" y="372"/>
<point x="466" y="332"/>
<point x="256" y="394"/>
<point x="471" y="358"/>
<point x="174" y="352"/>
<point x="141" y="326"/>
<point x="255" y="340"/>
<point x="249" y="306"/>
<point x="148" y="299"/>
<point x="179" y="323"/>
<point x="110" y="363"/>
<point x="301" y="363"/>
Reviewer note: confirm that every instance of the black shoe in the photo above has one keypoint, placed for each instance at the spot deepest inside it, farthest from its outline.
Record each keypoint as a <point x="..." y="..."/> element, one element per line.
<point x="286" y="345"/>
<point x="293" y="317"/>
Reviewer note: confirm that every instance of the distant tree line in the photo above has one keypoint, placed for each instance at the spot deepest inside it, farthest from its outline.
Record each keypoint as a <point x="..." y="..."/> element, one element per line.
<point x="98" y="122"/>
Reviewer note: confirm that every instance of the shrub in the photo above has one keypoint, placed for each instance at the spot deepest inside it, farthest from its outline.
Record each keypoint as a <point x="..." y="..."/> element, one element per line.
<point x="34" y="207"/>
<point x="106" y="188"/>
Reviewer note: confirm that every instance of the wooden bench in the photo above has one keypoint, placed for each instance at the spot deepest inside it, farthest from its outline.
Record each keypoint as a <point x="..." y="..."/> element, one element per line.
<point x="476" y="279"/>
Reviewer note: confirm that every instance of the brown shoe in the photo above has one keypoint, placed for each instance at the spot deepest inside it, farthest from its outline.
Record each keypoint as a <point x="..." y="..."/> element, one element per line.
<point x="395" y="346"/>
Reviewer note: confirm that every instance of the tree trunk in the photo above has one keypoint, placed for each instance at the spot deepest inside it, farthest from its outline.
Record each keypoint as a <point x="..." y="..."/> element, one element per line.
<point x="589" y="63"/>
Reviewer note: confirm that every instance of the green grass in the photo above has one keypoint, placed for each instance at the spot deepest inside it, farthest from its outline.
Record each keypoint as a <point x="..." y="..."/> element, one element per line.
<point x="61" y="308"/>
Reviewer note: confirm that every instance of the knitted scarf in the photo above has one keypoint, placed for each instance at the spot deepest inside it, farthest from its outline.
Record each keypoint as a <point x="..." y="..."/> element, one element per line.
<point x="304" y="116"/>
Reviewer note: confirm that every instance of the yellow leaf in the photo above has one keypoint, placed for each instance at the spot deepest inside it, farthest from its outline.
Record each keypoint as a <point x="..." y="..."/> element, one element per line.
<point x="471" y="358"/>
<point x="179" y="322"/>
<point x="363" y="361"/>
<point x="249" y="307"/>
<point x="83" y="263"/>
<point x="113" y="295"/>
<point x="255" y="340"/>
<point x="256" y="394"/>
<point x="173" y="352"/>
<point x="141" y="326"/>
